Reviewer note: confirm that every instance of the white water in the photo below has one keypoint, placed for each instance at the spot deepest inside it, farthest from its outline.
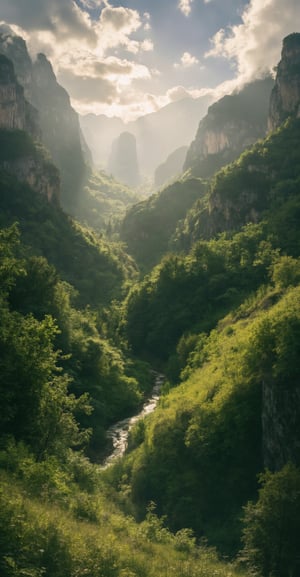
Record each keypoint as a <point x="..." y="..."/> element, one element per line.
<point x="118" y="433"/>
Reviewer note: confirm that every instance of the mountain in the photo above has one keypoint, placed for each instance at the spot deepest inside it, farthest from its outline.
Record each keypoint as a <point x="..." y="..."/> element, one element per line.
<point x="15" y="111"/>
<point x="157" y="134"/>
<point x="123" y="161"/>
<point x="19" y="156"/>
<point x="231" y="125"/>
<point x="60" y="131"/>
<point x="285" y="98"/>
<point x="171" y="168"/>
<point x="210" y="482"/>
<point x="221" y="315"/>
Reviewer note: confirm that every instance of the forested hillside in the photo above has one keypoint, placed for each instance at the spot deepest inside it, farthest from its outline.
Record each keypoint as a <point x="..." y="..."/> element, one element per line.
<point x="210" y="482"/>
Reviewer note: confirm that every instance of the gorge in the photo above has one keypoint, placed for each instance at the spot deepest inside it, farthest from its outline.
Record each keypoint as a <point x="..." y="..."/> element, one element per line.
<point x="98" y="284"/>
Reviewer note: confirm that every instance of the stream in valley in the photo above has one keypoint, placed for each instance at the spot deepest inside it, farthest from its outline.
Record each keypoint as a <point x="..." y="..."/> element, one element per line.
<point x="118" y="433"/>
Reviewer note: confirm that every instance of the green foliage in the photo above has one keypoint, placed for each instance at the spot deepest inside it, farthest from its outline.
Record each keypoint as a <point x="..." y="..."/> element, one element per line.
<point x="94" y="267"/>
<point x="190" y="293"/>
<point x="286" y="272"/>
<point x="16" y="144"/>
<point x="200" y="452"/>
<point x="103" y="203"/>
<point x="272" y="525"/>
<point x="148" y="226"/>
<point x="262" y="183"/>
<point x="31" y="384"/>
<point x="38" y="537"/>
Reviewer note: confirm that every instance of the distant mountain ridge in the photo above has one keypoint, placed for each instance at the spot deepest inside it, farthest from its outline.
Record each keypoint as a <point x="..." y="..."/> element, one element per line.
<point x="157" y="134"/>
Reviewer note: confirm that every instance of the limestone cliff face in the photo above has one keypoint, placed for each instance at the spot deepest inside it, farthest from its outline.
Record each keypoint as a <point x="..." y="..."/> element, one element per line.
<point x="280" y="424"/>
<point x="59" y="124"/>
<point x="285" y="97"/>
<point x="231" y="125"/>
<point x="17" y="117"/>
<point x="41" y="176"/>
<point x="15" y="112"/>
<point x="15" y="49"/>
<point x="123" y="163"/>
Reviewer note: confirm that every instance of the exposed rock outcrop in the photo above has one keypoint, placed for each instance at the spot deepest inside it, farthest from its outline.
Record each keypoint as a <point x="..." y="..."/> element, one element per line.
<point x="41" y="176"/>
<point x="280" y="422"/>
<point x="157" y="134"/>
<point x="60" y="130"/>
<point x="18" y="126"/>
<point x="15" y="112"/>
<point x="285" y="97"/>
<point x="231" y="125"/>
<point x="59" y="124"/>
<point x="123" y="162"/>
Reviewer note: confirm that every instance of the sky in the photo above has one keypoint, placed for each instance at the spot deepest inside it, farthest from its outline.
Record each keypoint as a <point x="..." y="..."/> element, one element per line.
<point x="128" y="58"/>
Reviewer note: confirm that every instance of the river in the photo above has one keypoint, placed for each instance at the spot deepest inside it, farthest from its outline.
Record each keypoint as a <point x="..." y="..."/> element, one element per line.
<point x="118" y="433"/>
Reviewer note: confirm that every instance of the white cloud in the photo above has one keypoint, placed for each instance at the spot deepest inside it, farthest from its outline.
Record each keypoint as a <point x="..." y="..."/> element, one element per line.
<point x="185" y="6"/>
<point x="88" y="55"/>
<point x="186" y="61"/>
<point x="255" y="44"/>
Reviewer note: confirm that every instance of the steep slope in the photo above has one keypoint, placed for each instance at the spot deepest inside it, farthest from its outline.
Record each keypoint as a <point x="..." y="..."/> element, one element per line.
<point x="60" y="131"/>
<point x="15" y="111"/>
<point x="231" y="125"/>
<point x="123" y="162"/>
<point x="149" y="225"/>
<point x="19" y="155"/>
<point x="236" y="411"/>
<point x="285" y="98"/>
<point x="244" y="190"/>
<point x="171" y="168"/>
<point x="224" y="321"/>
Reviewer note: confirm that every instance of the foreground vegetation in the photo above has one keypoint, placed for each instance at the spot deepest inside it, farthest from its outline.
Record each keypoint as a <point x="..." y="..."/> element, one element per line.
<point x="77" y="331"/>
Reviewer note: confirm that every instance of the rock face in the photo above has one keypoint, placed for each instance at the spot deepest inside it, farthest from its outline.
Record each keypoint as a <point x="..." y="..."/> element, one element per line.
<point x="60" y="130"/>
<point x="18" y="117"/>
<point x="157" y="134"/>
<point x="59" y="124"/>
<point x="171" y="168"/>
<point x="41" y="176"/>
<point x="280" y="423"/>
<point x="123" y="162"/>
<point x="15" y="112"/>
<point x="231" y="125"/>
<point x="285" y="97"/>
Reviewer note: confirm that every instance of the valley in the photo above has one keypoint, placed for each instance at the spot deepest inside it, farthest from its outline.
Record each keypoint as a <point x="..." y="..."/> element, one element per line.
<point x="109" y="468"/>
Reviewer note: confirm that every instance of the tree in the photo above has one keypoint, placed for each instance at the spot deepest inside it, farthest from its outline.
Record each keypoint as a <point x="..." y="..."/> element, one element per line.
<point x="272" y="525"/>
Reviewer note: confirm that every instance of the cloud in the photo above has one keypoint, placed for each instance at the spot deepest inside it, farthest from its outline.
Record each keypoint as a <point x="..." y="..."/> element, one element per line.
<point x="254" y="45"/>
<point x="93" y="46"/>
<point x="61" y="17"/>
<point x="186" y="61"/>
<point x="185" y="6"/>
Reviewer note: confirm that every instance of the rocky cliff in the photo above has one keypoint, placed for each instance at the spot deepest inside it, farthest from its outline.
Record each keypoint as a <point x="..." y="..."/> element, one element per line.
<point x="285" y="97"/>
<point x="15" y="112"/>
<point x="157" y="134"/>
<point x="231" y="125"/>
<point x="123" y="163"/>
<point x="60" y="131"/>
<point x="19" y="155"/>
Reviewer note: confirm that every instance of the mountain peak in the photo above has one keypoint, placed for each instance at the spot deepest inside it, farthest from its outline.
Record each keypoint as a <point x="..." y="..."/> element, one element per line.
<point x="285" y="98"/>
